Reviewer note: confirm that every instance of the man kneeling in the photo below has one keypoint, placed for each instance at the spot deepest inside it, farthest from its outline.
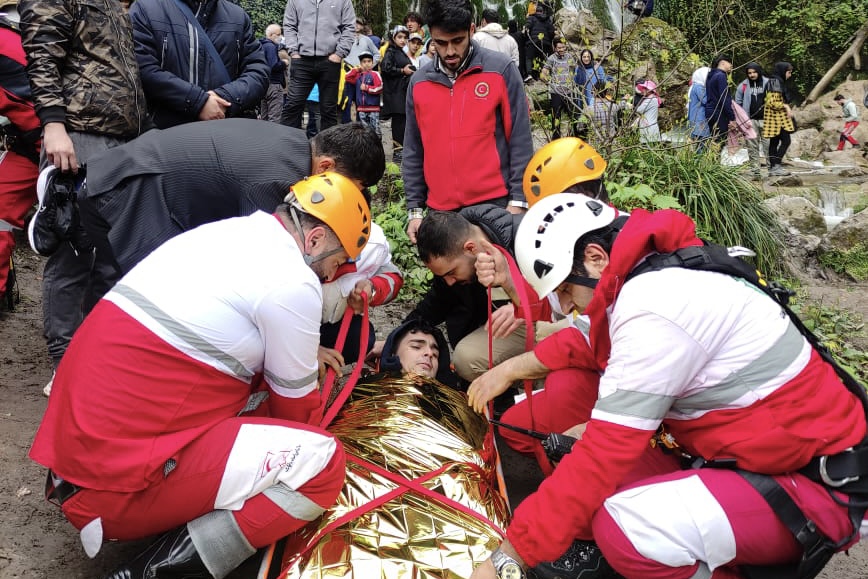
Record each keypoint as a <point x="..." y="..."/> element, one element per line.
<point x="146" y="430"/>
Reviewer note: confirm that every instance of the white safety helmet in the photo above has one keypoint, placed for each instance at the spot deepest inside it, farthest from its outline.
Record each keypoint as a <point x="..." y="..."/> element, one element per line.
<point x="548" y="233"/>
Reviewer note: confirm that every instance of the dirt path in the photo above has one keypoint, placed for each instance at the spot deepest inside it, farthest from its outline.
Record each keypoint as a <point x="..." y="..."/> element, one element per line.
<point x="36" y="542"/>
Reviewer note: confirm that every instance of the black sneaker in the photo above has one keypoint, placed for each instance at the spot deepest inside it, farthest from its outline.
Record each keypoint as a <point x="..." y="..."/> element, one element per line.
<point x="57" y="217"/>
<point x="582" y="560"/>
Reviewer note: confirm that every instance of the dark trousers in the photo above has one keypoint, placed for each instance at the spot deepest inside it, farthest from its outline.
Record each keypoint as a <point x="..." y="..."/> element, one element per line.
<point x="399" y="123"/>
<point x="328" y="337"/>
<point x="303" y="74"/>
<point x="68" y="291"/>
<point x="561" y="105"/>
<point x="778" y="148"/>
<point x="535" y="58"/>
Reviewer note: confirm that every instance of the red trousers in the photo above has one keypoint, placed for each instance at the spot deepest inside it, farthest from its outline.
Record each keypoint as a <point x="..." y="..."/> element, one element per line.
<point x="17" y="194"/>
<point x="567" y="400"/>
<point x="191" y="489"/>
<point x="704" y="523"/>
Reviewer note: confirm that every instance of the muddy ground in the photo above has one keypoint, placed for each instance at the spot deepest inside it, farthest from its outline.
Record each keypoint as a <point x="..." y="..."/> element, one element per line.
<point x="35" y="540"/>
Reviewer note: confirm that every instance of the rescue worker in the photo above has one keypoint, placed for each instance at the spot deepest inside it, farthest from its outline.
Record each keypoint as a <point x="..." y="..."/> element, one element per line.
<point x="147" y="428"/>
<point x="734" y="380"/>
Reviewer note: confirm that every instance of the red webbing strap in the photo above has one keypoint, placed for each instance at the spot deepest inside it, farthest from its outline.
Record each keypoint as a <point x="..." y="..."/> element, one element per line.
<point x="404" y="485"/>
<point x="360" y="363"/>
<point x="416" y="485"/>
<point x="529" y="338"/>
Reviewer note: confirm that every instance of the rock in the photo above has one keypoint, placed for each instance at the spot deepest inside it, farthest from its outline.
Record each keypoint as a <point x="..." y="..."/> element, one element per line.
<point x="580" y="28"/>
<point x="799" y="213"/>
<point x="805" y="144"/>
<point x="850" y="158"/>
<point x="852" y="172"/>
<point x="791" y="180"/>
<point x="811" y="116"/>
<point x="851" y="232"/>
<point x="653" y="49"/>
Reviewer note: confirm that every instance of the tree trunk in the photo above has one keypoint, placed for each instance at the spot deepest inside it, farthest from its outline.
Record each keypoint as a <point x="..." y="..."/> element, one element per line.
<point x="852" y="52"/>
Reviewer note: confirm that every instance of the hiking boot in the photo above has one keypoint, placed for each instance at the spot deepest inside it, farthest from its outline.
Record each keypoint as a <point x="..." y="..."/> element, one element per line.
<point x="582" y="560"/>
<point x="172" y="556"/>
<point x="57" y="216"/>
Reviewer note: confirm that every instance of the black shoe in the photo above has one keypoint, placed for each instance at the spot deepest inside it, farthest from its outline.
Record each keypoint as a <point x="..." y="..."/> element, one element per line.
<point x="10" y="296"/>
<point x="172" y="556"/>
<point x="57" y="217"/>
<point x="582" y="560"/>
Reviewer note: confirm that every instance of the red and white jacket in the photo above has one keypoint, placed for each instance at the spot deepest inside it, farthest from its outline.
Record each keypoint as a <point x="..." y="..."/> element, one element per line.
<point x="180" y="344"/>
<point x="710" y="355"/>
<point x="466" y="141"/>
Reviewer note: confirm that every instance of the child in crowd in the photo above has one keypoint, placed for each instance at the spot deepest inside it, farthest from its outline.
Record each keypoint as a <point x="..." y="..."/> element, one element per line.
<point x="851" y="121"/>
<point x="369" y="87"/>
<point x="647" y="111"/>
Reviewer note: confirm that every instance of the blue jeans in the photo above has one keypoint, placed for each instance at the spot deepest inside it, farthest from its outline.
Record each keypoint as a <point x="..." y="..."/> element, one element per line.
<point x="372" y="120"/>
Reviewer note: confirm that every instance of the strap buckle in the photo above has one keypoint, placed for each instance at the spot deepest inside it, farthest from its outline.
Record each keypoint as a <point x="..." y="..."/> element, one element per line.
<point x="828" y="480"/>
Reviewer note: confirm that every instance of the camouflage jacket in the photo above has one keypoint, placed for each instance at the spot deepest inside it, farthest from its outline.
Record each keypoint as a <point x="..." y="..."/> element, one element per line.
<point x="82" y="65"/>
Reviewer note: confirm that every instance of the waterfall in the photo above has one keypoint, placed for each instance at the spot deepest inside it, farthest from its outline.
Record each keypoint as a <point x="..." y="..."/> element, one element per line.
<point x="832" y="203"/>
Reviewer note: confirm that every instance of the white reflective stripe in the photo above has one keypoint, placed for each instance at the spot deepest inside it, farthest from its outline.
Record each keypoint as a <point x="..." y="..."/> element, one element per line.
<point x="645" y="405"/>
<point x="293" y="503"/>
<point x="181" y="331"/>
<point x="297" y="384"/>
<point x="750" y="378"/>
<point x="675" y="523"/>
<point x="264" y="455"/>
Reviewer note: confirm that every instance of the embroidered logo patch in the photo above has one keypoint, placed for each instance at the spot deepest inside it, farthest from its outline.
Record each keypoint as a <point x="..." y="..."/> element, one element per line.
<point x="482" y="89"/>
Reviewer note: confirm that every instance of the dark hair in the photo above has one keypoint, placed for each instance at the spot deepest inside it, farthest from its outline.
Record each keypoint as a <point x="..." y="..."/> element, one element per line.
<point x="582" y="53"/>
<point x="604" y="237"/>
<point x="366" y="56"/>
<point x="719" y="58"/>
<point x="781" y="68"/>
<point x="442" y="234"/>
<point x="415" y="17"/>
<point x="356" y="149"/>
<point x="449" y="15"/>
<point x="512" y="26"/>
<point x="490" y="16"/>
<point x="306" y="220"/>
<point x="839" y="97"/>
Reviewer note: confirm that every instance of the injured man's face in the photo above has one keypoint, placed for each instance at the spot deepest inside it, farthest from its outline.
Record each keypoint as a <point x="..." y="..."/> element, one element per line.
<point x="419" y="353"/>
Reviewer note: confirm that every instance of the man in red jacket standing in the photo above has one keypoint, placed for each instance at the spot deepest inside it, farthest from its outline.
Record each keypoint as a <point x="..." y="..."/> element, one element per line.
<point x="466" y="115"/>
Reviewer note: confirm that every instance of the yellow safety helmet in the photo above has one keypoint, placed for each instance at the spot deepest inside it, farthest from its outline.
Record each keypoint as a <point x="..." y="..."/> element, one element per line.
<point x="336" y="201"/>
<point x="559" y="165"/>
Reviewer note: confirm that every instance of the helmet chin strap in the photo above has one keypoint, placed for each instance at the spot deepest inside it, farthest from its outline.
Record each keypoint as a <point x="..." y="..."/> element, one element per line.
<point x="309" y="259"/>
<point x="582" y="280"/>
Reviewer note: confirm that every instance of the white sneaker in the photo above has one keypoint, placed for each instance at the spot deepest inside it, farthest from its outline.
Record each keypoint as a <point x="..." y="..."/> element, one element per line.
<point x="47" y="390"/>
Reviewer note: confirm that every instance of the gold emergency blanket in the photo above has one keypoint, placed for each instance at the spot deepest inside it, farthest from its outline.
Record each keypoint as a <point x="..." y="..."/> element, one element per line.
<point x="409" y="426"/>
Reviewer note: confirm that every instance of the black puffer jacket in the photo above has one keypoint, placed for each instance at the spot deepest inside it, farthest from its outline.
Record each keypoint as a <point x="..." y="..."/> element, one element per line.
<point x="464" y="307"/>
<point x="395" y="82"/>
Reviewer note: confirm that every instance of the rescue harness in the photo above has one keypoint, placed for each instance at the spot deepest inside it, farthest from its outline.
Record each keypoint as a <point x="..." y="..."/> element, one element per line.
<point x="845" y="472"/>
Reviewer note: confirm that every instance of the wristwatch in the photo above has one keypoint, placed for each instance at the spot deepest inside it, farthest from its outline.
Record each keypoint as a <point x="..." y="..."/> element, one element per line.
<point x="506" y="567"/>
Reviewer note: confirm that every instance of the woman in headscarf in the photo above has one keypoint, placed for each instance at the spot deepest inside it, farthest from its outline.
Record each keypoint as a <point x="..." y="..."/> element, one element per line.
<point x="588" y="75"/>
<point x="778" y="118"/>
<point x="696" y="108"/>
